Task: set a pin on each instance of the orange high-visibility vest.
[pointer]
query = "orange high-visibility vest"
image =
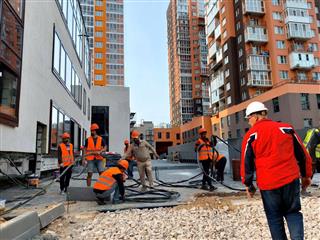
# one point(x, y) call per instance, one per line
point(205, 151)
point(106, 181)
point(67, 156)
point(93, 148)
point(219, 157)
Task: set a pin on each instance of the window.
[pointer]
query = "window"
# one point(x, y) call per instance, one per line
point(98, 66)
point(278, 30)
point(284, 74)
point(99, 23)
point(98, 44)
point(281, 45)
point(99, 55)
point(228, 86)
point(226, 60)
point(224, 34)
point(99, 3)
point(226, 73)
point(307, 123)
point(237, 117)
point(275, 2)
point(229, 100)
point(225, 47)
point(238, 26)
point(238, 133)
point(89, 109)
point(168, 135)
point(54, 128)
point(282, 60)
point(223, 9)
point(316, 76)
point(84, 102)
point(239, 39)
point(318, 100)
point(240, 52)
point(309, 5)
point(98, 77)
point(276, 16)
point(99, 34)
point(241, 67)
point(178, 136)
point(99, 13)
point(243, 81)
point(159, 135)
point(304, 99)
point(56, 63)
point(224, 21)
point(276, 106)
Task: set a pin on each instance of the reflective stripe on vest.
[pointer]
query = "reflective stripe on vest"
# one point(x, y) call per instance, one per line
point(67, 156)
point(205, 151)
point(94, 148)
point(308, 137)
point(106, 181)
point(318, 151)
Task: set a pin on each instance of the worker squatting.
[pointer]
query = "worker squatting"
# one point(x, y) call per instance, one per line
point(271, 150)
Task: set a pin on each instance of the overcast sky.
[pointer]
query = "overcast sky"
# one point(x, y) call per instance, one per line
point(146, 61)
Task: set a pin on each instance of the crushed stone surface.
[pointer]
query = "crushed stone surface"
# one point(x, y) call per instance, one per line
point(211, 217)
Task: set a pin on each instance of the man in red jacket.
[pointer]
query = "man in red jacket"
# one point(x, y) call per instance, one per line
point(279, 157)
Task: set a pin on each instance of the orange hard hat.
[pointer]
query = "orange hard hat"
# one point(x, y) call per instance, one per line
point(135, 134)
point(123, 163)
point(202, 130)
point(126, 141)
point(94, 126)
point(65, 135)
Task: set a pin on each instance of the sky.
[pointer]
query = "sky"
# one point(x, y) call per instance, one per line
point(146, 61)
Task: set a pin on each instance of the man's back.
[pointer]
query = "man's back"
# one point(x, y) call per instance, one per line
point(272, 146)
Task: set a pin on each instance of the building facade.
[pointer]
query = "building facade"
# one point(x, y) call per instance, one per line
point(145, 128)
point(263, 50)
point(188, 85)
point(108, 43)
point(45, 86)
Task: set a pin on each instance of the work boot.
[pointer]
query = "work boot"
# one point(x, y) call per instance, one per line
point(212, 188)
point(100, 201)
point(143, 189)
point(204, 187)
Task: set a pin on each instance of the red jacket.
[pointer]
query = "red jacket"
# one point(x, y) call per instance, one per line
point(277, 154)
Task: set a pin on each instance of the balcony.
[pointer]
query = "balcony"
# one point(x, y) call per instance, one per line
point(301, 60)
point(212, 50)
point(302, 4)
point(299, 31)
point(298, 19)
point(259, 79)
point(254, 7)
point(217, 32)
point(258, 63)
point(219, 55)
point(210, 29)
point(256, 34)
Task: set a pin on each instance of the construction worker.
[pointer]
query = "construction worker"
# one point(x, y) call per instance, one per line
point(280, 159)
point(111, 181)
point(94, 146)
point(312, 143)
point(130, 160)
point(65, 159)
point(220, 162)
point(140, 150)
point(205, 155)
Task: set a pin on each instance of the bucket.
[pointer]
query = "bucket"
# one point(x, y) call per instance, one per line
point(236, 169)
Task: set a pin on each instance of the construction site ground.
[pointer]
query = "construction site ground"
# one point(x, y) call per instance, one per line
point(196, 214)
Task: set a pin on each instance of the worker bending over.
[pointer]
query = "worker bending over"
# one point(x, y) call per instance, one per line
point(65, 160)
point(278, 156)
point(220, 162)
point(205, 155)
point(130, 159)
point(140, 150)
point(111, 181)
point(312, 143)
point(94, 146)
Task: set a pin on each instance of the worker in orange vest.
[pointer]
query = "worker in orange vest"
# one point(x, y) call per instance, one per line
point(220, 162)
point(94, 146)
point(111, 180)
point(205, 155)
point(130, 159)
point(65, 159)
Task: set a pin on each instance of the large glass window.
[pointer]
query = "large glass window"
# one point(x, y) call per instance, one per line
point(10, 59)
point(54, 128)
point(305, 104)
point(84, 101)
point(68, 75)
point(276, 105)
point(63, 64)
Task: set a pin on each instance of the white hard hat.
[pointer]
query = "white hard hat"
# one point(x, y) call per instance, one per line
point(255, 107)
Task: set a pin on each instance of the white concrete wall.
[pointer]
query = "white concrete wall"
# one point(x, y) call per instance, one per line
point(38, 84)
point(117, 99)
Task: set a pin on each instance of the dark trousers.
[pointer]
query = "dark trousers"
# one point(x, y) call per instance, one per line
point(65, 178)
point(220, 166)
point(130, 169)
point(283, 203)
point(206, 164)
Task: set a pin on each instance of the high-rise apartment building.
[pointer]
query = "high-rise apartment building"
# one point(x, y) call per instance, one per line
point(266, 51)
point(87, 7)
point(187, 60)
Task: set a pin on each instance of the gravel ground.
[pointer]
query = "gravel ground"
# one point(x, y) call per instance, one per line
point(205, 218)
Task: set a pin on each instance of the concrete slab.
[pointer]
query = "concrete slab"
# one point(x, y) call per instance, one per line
point(81, 194)
point(21, 227)
point(51, 214)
